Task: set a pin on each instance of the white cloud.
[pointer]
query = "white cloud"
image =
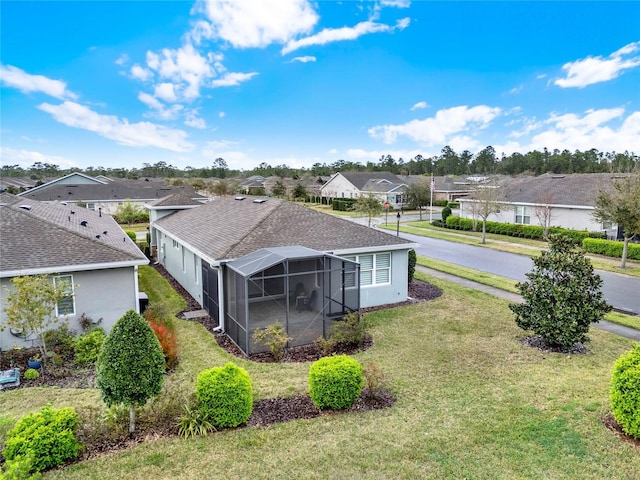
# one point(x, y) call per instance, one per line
point(122, 59)
point(439, 130)
point(165, 91)
point(332, 151)
point(142, 134)
point(305, 59)
point(221, 114)
point(418, 105)
point(194, 121)
point(516, 90)
point(26, 158)
point(605, 129)
point(329, 35)
point(592, 70)
point(247, 23)
point(232, 79)
point(361, 155)
point(396, 3)
point(219, 145)
point(160, 110)
point(141, 73)
point(27, 83)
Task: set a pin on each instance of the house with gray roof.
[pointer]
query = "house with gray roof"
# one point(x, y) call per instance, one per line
point(385, 186)
point(86, 250)
point(560, 200)
point(105, 194)
point(251, 261)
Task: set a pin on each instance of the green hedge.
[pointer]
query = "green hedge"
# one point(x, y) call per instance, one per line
point(519, 230)
point(342, 204)
point(610, 248)
point(625, 391)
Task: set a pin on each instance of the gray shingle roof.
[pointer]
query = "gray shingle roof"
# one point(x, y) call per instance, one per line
point(578, 189)
point(227, 228)
point(114, 191)
point(174, 200)
point(48, 235)
point(360, 179)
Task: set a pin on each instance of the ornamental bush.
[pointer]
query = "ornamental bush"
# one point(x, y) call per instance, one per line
point(625, 391)
point(47, 435)
point(562, 296)
point(88, 346)
point(335, 382)
point(31, 374)
point(225, 395)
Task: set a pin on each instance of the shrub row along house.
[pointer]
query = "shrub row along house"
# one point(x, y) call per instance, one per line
point(82, 249)
point(251, 261)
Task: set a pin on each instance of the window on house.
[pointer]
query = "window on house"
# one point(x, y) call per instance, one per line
point(66, 306)
point(195, 269)
point(91, 206)
point(523, 215)
point(375, 269)
point(175, 244)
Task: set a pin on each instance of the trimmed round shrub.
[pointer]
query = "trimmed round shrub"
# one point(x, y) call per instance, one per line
point(225, 395)
point(446, 212)
point(31, 374)
point(335, 382)
point(88, 346)
point(48, 435)
point(625, 391)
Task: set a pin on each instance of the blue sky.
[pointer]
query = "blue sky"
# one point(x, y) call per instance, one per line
point(122, 83)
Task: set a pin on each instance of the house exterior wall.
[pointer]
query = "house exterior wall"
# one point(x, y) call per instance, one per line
point(183, 264)
point(577, 218)
point(105, 294)
point(339, 187)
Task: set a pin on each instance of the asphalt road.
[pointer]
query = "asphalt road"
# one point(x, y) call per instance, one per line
point(620, 291)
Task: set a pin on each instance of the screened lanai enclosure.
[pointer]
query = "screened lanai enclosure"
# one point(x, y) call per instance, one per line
point(304, 289)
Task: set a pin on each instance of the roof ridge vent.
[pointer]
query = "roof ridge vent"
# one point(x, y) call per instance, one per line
point(557, 176)
point(25, 207)
point(260, 200)
point(240, 197)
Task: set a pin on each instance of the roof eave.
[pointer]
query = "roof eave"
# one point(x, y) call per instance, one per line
point(72, 268)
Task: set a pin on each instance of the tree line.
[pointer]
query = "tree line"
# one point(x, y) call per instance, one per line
point(448, 162)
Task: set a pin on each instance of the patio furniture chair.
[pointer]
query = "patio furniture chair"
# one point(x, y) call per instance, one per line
point(307, 303)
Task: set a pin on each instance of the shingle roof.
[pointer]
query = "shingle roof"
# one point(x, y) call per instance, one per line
point(226, 228)
point(35, 235)
point(174, 200)
point(578, 189)
point(360, 179)
point(114, 191)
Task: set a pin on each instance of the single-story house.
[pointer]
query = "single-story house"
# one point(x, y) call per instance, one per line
point(451, 187)
point(104, 194)
point(559, 200)
point(385, 186)
point(251, 261)
point(85, 249)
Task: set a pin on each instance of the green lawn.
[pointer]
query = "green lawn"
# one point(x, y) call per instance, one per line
point(472, 402)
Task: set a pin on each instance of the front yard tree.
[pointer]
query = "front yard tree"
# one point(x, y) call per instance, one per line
point(621, 206)
point(130, 367)
point(369, 206)
point(279, 189)
point(30, 306)
point(300, 192)
point(486, 201)
point(562, 296)
point(418, 194)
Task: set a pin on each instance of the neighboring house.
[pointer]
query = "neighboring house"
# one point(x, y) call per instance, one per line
point(253, 185)
point(449, 187)
point(87, 250)
point(103, 193)
point(559, 200)
point(385, 186)
point(251, 261)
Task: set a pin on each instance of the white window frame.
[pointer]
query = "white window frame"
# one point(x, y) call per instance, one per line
point(175, 243)
point(68, 279)
point(523, 215)
point(369, 275)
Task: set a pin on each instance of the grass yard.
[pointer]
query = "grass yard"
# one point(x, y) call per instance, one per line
point(472, 402)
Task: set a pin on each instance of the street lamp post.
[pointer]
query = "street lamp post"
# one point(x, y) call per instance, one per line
point(398, 227)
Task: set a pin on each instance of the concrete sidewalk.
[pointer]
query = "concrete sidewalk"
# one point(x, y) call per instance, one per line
point(620, 330)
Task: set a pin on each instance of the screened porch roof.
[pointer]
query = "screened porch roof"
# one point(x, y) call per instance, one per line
point(267, 257)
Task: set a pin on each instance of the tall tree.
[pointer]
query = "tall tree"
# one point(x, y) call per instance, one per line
point(369, 206)
point(621, 205)
point(130, 367)
point(418, 194)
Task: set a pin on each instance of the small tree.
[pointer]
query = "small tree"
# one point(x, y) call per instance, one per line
point(369, 206)
point(418, 194)
point(130, 367)
point(486, 201)
point(300, 192)
point(279, 189)
point(621, 206)
point(544, 212)
point(411, 267)
point(131, 213)
point(562, 297)
point(30, 306)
